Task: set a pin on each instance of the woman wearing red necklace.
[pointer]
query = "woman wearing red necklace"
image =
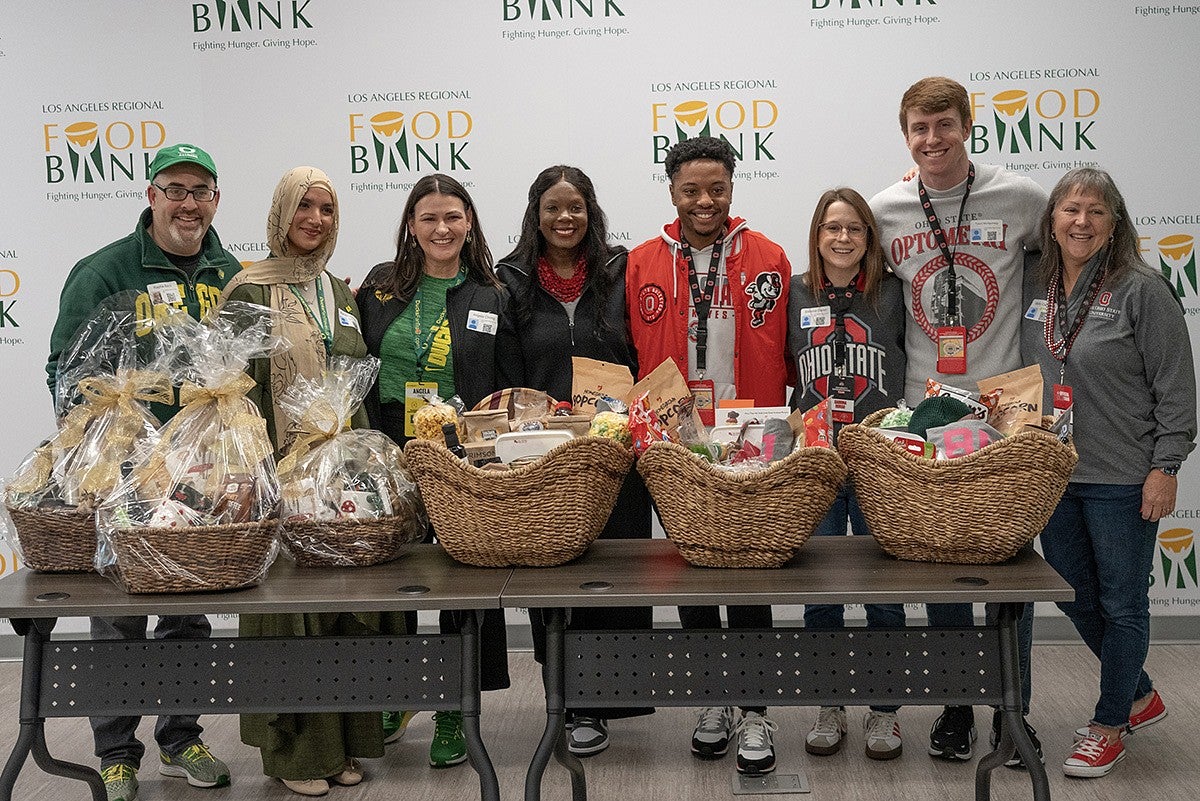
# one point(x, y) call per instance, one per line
point(567, 287)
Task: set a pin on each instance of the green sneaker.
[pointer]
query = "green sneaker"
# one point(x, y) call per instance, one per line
point(395, 725)
point(120, 782)
point(449, 747)
point(195, 764)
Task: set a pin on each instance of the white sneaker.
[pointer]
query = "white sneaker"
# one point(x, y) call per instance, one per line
point(711, 737)
point(827, 733)
point(756, 748)
point(882, 731)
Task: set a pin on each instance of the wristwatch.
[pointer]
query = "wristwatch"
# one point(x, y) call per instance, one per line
point(1170, 469)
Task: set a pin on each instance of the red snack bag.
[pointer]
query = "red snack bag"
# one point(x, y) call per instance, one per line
point(818, 426)
point(644, 425)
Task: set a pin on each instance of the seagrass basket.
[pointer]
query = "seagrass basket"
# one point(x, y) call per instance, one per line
point(350, 542)
point(543, 514)
point(192, 558)
point(719, 518)
point(978, 509)
point(56, 540)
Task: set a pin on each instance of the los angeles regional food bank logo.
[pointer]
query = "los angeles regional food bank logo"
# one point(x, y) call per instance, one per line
point(410, 140)
point(95, 150)
point(747, 123)
point(1176, 568)
point(1058, 115)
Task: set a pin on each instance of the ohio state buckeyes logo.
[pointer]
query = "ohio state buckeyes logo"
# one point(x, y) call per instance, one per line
point(652, 302)
point(978, 294)
point(761, 296)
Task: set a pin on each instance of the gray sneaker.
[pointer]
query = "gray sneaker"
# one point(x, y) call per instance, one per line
point(827, 733)
point(197, 765)
point(120, 782)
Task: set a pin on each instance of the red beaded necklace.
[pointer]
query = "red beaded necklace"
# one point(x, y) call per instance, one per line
point(564, 290)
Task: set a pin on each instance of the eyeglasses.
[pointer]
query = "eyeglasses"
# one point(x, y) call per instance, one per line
point(202, 194)
point(853, 230)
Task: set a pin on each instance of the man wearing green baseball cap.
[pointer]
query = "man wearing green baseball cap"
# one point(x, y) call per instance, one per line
point(173, 259)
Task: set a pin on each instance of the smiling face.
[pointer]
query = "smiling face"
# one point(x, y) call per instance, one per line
point(1082, 225)
point(702, 191)
point(179, 226)
point(937, 142)
point(562, 219)
point(842, 242)
point(440, 224)
point(312, 222)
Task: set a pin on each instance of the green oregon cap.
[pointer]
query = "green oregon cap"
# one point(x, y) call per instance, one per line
point(179, 154)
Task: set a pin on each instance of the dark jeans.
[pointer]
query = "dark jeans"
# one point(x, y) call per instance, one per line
point(832, 616)
point(116, 737)
point(1097, 540)
point(740, 617)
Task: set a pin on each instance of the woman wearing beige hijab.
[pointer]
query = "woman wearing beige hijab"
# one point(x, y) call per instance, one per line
point(319, 316)
point(309, 751)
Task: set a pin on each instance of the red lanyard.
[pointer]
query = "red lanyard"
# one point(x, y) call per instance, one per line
point(1061, 348)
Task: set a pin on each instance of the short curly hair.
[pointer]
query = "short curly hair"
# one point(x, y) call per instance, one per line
point(701, 147)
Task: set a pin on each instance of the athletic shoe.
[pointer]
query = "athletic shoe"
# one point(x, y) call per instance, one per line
point(196, 764)
point(755, 747)
point(449, 746)
point(827, 733)
point(953, 733)
point(1155, 711)
point(711, 737)
point(395, 725)
point(1015, 760)
point(1094, 756)
point(882, 731)
point(120, 781)
point(588, 736)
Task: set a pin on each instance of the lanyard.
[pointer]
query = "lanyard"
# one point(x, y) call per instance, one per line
point(840, 299)
point(322, 321)
point(953, 312)
point(1060, 349)
point(421, 349)
point(702, 301)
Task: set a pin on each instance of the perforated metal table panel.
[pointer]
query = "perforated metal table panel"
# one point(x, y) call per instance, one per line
point(75, 678)
point(780, 667)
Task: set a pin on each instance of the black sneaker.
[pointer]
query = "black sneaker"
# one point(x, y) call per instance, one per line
point(1015, 760)
point(953, 733)
point(588, 736)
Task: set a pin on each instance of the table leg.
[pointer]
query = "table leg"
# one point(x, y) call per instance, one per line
point(1012, 731)
point(489, 785)
point(31, 738)
point(554, 739)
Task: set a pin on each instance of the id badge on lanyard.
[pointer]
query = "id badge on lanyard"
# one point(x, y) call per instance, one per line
point(841, 398)
point(416, 395)
point(952, 349)
point(951, 337)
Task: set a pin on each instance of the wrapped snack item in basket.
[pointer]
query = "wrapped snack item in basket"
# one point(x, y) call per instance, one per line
point(198, 511)
point(104, 386)
point(347, 497)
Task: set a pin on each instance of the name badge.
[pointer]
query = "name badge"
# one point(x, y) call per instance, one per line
point(348, 320)
point(164, 292)
point(952, 350)
point(841, 398)
point(1037, 310)
point(815, 317)
point(705, 393)
point(987, 232)
point(483, 322)
point(416, 395)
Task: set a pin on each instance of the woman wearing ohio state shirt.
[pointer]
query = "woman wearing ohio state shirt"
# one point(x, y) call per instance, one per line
point(846, 334)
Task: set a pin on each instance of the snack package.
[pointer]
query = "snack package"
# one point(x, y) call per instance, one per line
point(346, 496)
point(429, 419)
point(104, 386)
point(644, 425)
point(981, 404)
point(612, 425)
point(1020, 399)
point(592, 379)
point(198, 510)
point(667, 394)
point(818, 426)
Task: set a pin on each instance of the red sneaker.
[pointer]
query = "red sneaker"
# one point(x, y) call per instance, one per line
point(1155, 711)
point(1094, 756)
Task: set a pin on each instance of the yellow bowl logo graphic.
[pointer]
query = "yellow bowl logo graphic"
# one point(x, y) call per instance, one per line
point(388, 123)
point(1176, 246)
point(1175, 540)
point(1011, 102)
point(691, 112)
point(82, 134)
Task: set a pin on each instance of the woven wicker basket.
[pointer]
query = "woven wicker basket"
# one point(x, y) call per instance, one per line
point(56, 540)
point(544, 514)
point(349, 542)
point(718, 518)
point(193, 558)
point(978, 509)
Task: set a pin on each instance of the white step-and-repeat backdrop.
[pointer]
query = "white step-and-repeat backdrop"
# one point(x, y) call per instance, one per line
point(379, 92)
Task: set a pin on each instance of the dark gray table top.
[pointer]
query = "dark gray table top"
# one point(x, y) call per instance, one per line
point(288, 588)
point(833, 570)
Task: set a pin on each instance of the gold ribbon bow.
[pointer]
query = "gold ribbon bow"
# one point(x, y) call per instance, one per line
point(320, 423)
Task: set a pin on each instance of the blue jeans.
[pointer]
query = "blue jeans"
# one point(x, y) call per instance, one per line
point(832, 616)
point(1097, 540)
point(116, 737)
